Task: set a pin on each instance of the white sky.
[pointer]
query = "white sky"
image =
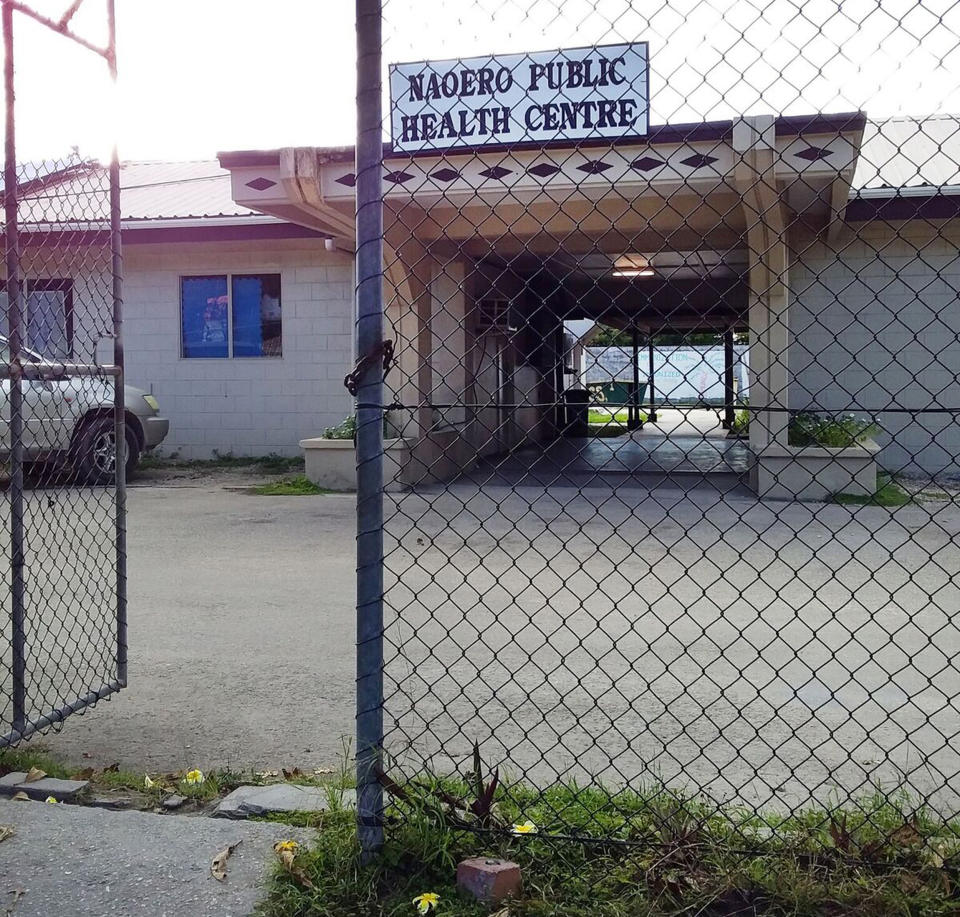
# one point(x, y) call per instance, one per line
point(199, 76)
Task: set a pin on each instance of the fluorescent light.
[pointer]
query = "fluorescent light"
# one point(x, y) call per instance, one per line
point(632, 265)
point(635, 272)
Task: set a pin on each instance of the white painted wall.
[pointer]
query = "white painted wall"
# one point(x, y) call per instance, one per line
point(246, 406)
point(875, 321)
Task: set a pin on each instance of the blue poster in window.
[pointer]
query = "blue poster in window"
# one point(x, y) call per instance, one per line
point(203, 305)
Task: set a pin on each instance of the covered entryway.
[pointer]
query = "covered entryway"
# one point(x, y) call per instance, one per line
point(488, 253)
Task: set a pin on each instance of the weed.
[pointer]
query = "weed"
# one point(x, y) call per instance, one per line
point(298, 485)
point(888, 493)
point(652, 852)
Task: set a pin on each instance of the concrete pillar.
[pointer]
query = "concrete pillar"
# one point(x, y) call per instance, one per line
point(754, 143)
point(448, 342)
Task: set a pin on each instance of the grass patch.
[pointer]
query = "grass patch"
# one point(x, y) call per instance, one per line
point(603, 423)
point(889, 494)
point(875, 858)
point(268, 464)
point(297, 486)
point(22, 759)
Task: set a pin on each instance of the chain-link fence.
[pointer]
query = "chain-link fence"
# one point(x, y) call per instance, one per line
point(62, 406)
point(670, 440)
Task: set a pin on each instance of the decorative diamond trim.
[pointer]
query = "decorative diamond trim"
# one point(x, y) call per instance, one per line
point(698, 161)
point(445, 174)
point(495, 172)
point(646, 163)
point(813, 153)
point(397, 178)
point(595, 167)
point(349, 180)
point(543, 169)
point(260, 184)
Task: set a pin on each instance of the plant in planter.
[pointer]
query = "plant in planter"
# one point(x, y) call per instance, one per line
point(834, 431)
point(346, 429)
point(741, 423)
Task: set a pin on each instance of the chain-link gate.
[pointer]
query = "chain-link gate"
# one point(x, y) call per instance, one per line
point(669, 442)
point(64, 643)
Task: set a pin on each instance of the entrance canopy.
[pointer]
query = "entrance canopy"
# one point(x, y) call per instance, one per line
point(517, 200)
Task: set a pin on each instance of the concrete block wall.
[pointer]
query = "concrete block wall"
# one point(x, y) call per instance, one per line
point(875, 323)
point(252, 405)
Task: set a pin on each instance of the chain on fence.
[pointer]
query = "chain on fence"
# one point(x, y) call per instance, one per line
point(63, 399)
point(671, 454)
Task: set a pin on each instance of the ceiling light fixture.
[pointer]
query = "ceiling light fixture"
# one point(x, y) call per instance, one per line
point(632, 266)
point(634, 272)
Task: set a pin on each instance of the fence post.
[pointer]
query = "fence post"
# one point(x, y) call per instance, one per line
point(119, 416)
point(15, 328)
point(369, 260)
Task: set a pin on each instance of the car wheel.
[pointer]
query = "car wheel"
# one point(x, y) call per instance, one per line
point(97, 452)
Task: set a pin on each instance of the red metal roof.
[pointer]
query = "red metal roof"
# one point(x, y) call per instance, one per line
point(149, 191)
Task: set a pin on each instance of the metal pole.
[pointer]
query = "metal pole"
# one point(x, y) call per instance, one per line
point(653, 408)
point(728, 393)
point(15, 326)
point(633, 418)
point(119, 419)
point(369, 432)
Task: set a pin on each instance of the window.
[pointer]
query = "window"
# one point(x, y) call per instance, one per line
point(49, 317)
point(234, 315)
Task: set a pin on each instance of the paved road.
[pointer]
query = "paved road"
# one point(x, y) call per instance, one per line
point(241, 632)
point(686, 648)
point(80, 862)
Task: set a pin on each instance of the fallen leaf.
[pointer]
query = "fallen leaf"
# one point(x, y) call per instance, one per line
point(34, 774)
point(266, 775)
point(6, 832)
point(907, 834)
point(290, 774)
point(85, 774)
point(321, 771)
point(112, 768)
point(218, 866)
point(17, 893)
point(20, 795)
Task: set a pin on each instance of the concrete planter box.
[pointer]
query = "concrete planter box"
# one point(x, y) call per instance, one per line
point(332, 463)
point(814, 472)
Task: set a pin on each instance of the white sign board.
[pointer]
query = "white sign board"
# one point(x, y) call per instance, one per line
point(575, 94)
point(681, 374)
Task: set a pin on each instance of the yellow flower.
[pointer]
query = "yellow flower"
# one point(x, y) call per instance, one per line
point(194, 777)
point(148, 784)
point(281, 846)
point(52, 799)
point(427, 902)
point(528, 827)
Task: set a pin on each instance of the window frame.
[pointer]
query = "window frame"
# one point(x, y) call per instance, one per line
point(228, 276)
point(45, 285)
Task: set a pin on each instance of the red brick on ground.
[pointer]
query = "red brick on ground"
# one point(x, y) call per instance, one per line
point(488, 879)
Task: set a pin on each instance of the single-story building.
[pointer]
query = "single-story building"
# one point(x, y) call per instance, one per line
point(239, 323)
point(830, 240)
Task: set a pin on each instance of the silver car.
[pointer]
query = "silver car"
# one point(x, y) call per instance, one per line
point(69, 421)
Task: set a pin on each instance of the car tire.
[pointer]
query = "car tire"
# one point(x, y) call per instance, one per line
point(96, 453)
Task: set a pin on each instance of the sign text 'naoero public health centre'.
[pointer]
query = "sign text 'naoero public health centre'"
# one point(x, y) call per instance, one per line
point(539, 97)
